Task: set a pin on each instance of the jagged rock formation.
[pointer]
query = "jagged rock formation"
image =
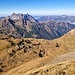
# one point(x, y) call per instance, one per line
point(18, 16)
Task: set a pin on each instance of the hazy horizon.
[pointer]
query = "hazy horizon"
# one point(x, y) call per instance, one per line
point(37, 7)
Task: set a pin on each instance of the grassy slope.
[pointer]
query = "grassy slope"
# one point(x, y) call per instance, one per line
point(63, 68)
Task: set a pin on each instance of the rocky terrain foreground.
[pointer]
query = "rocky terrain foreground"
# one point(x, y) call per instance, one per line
point(30, 56)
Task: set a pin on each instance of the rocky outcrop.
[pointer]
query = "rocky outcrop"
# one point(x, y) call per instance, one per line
point(41, 53)
point(19, 51)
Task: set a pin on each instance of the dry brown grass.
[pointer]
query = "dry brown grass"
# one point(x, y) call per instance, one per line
point(63, 68)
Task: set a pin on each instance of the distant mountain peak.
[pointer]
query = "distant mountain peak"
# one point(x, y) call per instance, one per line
point(13, 13)
point(58, 18)
point(27, 14)
point(18, 16)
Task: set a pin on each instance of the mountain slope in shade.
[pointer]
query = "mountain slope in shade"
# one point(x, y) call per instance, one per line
point(18, 55)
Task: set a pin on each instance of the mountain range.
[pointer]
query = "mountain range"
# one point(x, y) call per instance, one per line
point(24, 25)
point(58, 18)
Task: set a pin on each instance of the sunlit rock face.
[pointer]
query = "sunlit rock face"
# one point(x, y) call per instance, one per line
point(15, 16)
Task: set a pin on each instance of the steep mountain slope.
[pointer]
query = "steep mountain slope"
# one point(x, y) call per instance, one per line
point(16, 25)
point(24, 25)
point(7, 26)
point(58, 18)
point(18, 56)
point(60, 27)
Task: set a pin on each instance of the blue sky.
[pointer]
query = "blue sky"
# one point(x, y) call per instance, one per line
point(38, 7)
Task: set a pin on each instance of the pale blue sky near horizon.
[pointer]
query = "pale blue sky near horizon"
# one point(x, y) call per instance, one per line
point(38, 7)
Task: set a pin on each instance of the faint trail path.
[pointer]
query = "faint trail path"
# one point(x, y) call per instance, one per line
point(64, 57)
